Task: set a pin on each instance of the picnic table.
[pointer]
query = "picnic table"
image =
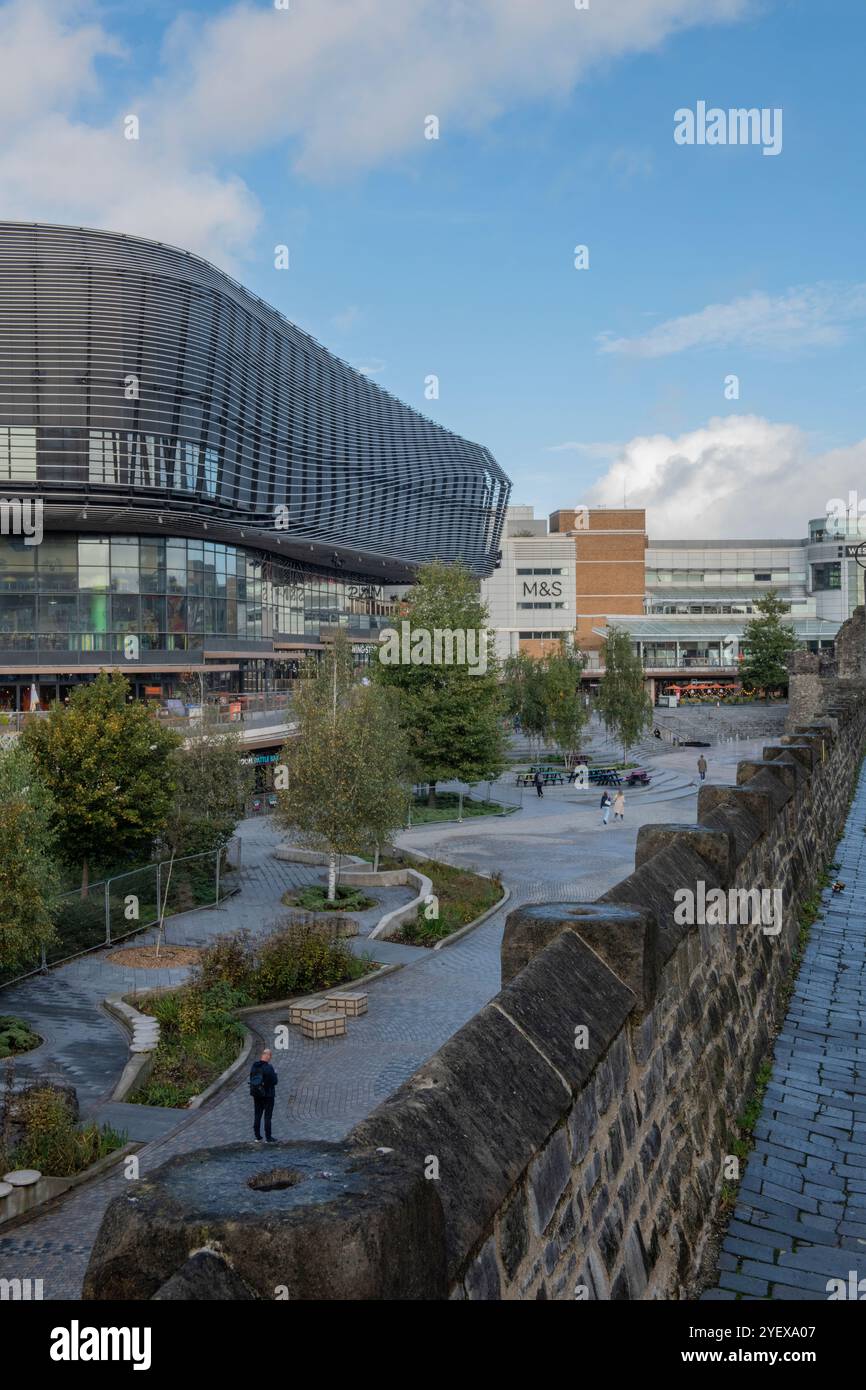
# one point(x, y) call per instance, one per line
point(550, 777)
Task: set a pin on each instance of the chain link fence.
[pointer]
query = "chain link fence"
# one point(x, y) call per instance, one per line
point(116, 908)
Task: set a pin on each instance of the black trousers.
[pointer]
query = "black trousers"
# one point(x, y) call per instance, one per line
point(264, 1106)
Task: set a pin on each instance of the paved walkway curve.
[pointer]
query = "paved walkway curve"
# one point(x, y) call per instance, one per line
point(558, 851)
point(800, 1218)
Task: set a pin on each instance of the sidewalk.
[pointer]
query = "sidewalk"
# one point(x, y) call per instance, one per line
point(800, 1217)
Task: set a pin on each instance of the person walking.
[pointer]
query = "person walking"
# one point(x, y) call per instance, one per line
point(539, 782)
point(606, 804)
point(702, 766)
point(619, 806)
point(263, 1085)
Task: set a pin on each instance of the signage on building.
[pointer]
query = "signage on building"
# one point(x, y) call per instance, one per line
point(541, 588)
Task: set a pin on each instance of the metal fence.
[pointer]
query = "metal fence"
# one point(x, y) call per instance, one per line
point(118, 907)
point(497, 791)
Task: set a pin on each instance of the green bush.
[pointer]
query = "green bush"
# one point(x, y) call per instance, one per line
point(348, 899)
point(228, 961)
point(298, 959)
point(52, 1141)
point(16, 1036)
point(199, 1040)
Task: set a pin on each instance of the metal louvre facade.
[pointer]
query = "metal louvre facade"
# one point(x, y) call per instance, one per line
point(143, 391)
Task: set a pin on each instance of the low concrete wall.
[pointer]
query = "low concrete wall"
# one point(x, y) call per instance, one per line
point(392, 921)
point(143, 1032)
point(22, 1200)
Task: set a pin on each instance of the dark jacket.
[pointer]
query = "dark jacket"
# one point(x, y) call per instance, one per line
point(270, 1077)
point(605, 800)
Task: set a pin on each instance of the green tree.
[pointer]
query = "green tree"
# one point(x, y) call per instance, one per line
point(622, 699)
point(544, 692)
point(107, 764)
point(346, 767)
point(524, 694)
point(449, 713)
point(212, 785)
point(566, 709)
point(767, 643)
point(29, 880)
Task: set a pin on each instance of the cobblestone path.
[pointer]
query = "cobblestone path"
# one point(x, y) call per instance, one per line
point(800, 1217)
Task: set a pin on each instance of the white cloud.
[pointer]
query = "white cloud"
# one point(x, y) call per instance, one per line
point(328, 88)
point(601, 449)
point(740, 475)
point(46, 59)
point(346, 319)
point(808, 316)
point(370, 366)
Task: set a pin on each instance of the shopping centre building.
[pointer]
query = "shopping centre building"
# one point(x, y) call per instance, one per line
point(684, 602)
point(217, 492)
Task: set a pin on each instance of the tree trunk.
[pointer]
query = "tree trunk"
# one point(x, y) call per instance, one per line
point(431, 793)
point(332, 878)
point(376, 859)
point(85, 878)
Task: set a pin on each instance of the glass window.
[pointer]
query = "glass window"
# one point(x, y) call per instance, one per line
point(124, 613)
point(17, 613)
point(17, 453)
point(152, 616)
point(58, 614)
point(93, 576)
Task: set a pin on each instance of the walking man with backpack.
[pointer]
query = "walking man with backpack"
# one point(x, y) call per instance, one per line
point(263, 1085)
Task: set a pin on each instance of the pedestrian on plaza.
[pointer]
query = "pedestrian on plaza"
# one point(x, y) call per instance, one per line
point(263, 1085)
point(606, 804)
point(619, 806)
point(702, 766)
point(539, 782)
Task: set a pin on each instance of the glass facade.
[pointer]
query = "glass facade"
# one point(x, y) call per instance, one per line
point(88, 593)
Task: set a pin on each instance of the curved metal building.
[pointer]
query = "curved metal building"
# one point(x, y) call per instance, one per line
point(187, 442)
point(136, 376)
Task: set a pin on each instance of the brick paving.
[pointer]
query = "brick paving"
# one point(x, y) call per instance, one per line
point(550, 851)
point(800, 1217)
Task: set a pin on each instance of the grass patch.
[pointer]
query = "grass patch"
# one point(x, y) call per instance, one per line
point(314, 898)
point(462, 896)
point(49, 1138)
point(447, 807)
point(16, 1036)
point(199, 1039)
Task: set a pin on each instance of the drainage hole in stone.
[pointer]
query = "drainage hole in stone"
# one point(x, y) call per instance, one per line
point(275, 1181)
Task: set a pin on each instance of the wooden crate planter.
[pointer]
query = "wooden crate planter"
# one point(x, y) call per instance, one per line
point(352, 1003)
point(328, 1024)
point(302, 1007)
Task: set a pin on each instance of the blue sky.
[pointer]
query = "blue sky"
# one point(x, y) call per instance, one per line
point(455, 256)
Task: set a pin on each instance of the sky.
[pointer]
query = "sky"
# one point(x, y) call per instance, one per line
point(305, 126)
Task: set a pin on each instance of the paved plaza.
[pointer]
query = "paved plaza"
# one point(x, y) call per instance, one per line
point(554, 848)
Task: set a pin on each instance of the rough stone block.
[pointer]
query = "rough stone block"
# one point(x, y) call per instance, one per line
point(548, 1178)
point(715, 845)
point(484, 1105)
point(324, 1221)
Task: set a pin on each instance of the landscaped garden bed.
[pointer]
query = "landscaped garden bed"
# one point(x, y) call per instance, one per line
point(200, 1035)
point(16, 1036)
point(314, 898)
point(462, 896)
point(39, 1130)
point(447, 807)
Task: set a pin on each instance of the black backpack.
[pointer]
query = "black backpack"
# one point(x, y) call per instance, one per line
point(257, 1081)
